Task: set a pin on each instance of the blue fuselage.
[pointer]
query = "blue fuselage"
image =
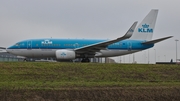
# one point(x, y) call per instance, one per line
point(48, 47)
point(77, 43)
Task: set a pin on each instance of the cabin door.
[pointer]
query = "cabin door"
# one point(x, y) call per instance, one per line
point(29, 44)
point(129, 44)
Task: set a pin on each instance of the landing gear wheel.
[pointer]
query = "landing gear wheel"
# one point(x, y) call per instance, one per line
point(85, 60)
point(25, 60)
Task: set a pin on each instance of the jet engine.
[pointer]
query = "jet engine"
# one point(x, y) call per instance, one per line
point(65, 54)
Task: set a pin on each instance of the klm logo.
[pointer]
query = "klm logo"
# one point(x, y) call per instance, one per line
point(46, 42)
point(145, 29)
point(63, 54)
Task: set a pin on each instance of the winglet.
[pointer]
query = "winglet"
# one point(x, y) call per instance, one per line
point(129, 33)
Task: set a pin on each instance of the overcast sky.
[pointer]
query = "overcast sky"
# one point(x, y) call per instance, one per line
point(99, 19)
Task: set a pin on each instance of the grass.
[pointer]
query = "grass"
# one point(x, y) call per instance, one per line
point(38, 75)
point(47, 81)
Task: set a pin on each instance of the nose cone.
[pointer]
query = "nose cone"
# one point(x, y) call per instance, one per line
point(9, 49)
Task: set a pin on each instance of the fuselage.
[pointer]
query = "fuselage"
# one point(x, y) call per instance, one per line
point(38, 48)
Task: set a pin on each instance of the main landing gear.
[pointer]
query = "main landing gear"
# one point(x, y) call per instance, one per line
point(85, 60)
point(25, 60)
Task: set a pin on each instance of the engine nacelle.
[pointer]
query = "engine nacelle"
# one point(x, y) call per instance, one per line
point(65, 54)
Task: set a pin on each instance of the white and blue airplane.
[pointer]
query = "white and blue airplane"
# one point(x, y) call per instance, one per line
point(136, 39)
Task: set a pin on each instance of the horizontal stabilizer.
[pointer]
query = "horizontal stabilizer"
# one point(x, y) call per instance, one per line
point(2, 50)
point(157, 40)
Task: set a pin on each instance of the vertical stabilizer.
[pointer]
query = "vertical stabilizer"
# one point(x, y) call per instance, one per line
point(145, 29)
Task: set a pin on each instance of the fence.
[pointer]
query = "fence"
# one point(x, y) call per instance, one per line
point(4, 59)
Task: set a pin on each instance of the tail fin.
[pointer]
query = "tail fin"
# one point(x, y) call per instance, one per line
point(145, 29)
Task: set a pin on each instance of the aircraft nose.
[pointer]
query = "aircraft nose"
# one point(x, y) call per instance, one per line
point(9, 49)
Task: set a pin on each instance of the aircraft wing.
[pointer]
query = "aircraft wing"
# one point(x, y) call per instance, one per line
point(102, 45)
point(2, 49)
point(157, 40)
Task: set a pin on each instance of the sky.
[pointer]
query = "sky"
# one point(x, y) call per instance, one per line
point(91, 19)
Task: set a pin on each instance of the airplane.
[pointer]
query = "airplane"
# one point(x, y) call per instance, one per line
point(135, 40)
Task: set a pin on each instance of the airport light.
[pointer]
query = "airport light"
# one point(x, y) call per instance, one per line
point(145, 57)
point(176, 49)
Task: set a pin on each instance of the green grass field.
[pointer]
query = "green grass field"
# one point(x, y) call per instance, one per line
point(65, 78)
point(32, 75)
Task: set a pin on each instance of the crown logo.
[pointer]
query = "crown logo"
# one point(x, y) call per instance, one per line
point(145, 26)
point(46, 42)
point(63, 54)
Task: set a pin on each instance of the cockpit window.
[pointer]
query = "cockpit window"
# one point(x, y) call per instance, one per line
point(17, 44)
